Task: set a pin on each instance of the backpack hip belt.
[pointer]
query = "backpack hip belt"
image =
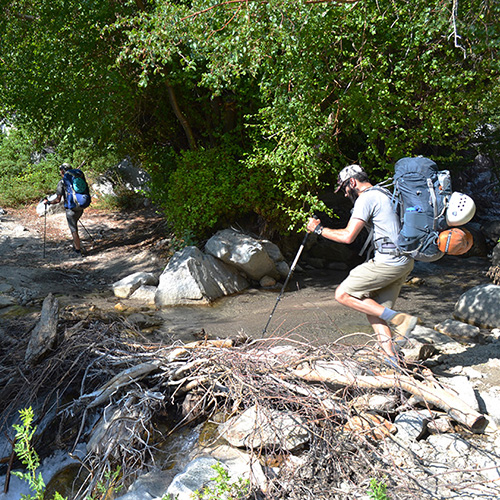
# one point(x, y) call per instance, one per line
point(385, 245)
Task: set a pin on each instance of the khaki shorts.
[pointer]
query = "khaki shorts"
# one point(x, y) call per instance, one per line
point(380, 282)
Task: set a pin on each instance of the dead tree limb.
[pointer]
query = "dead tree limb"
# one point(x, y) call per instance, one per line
point(428, 391)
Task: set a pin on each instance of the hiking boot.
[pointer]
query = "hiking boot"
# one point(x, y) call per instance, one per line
point(77, 253)
point(403, 324)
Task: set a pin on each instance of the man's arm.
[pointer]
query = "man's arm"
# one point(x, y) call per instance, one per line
point(346, 235)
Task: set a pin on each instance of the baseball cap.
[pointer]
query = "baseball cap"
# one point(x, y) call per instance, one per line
point(345, 174)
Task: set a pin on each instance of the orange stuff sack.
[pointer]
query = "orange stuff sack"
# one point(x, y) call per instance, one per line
point(455, 241)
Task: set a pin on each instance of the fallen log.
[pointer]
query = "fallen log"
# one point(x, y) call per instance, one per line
point(429, 391)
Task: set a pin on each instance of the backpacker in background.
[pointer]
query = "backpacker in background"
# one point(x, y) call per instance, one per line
point(427, 206)
point(77, 189)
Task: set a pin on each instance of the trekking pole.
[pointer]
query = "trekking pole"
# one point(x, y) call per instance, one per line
point(93, 241)
point(292, 267)
point(44, 227)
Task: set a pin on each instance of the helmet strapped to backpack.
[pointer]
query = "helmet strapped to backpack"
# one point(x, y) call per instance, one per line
point(461, 208)
point(455, 241)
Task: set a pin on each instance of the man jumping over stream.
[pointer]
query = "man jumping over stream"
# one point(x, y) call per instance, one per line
point(372, 287)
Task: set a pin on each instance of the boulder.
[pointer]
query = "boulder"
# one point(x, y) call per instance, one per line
point(195, 477)
point(127, 286)
point(283, 269)
point(145, 294)
point(6, 301)
point(42, 209)
point(495, 256)
point(243, 252)
point(479, 306)
point(412, 425)
point(491, 229)
point(458, 330)
point(192, 277)
point(124, 175)
point(259, 427)
point(463, 388)
point(272, 250)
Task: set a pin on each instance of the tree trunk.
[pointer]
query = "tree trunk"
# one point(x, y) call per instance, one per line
point(181, 117)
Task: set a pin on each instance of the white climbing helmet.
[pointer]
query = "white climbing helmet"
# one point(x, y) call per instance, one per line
point(461, 209)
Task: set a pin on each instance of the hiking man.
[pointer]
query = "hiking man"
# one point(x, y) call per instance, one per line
point(372, 287)
point(72, 214)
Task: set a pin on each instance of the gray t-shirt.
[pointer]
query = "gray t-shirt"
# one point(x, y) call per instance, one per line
point(375, 209)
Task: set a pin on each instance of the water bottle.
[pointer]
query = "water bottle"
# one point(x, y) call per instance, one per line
point(413, 219)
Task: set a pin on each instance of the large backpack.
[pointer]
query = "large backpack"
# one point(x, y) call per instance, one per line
point(422, 193)
point(420, 198)
point(77, 189)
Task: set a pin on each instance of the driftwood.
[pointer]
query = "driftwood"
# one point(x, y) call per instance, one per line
point(104, 393)
point(428, 391)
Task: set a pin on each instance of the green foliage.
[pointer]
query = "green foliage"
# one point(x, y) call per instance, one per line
point(109, 485)
point(297, 89)
point(208, 189)
point(21, 180)
point(28, 456)
point(223, 488)
point(377, 490)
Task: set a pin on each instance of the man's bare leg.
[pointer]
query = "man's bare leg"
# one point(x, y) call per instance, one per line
point(76, 240)
point(383, 332)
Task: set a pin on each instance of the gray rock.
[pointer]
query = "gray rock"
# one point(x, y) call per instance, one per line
point(44, 335)
point(479, 306)
point(412, 425)
point(427, 335)
point(6, 301)
point(127, 286)
point(267, 282)
point(283, 269)
point(458, 330)
point(463, 388)
point(495, 255)
point(145, 294)
point(154, 484)
point(6, 288)
point(44, 210)
point(489, 402)
point(380, 403)
point(491, 229)
point(450, 444)
point(259, 427)
point(197, 474)
point(272, 250)
point(192, 277)
point(440, 425)
point(239, 464)
point(125, 175)
point(243, 252)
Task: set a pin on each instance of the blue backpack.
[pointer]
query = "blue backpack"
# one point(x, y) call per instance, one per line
point(420, 197)
point(77, 189)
